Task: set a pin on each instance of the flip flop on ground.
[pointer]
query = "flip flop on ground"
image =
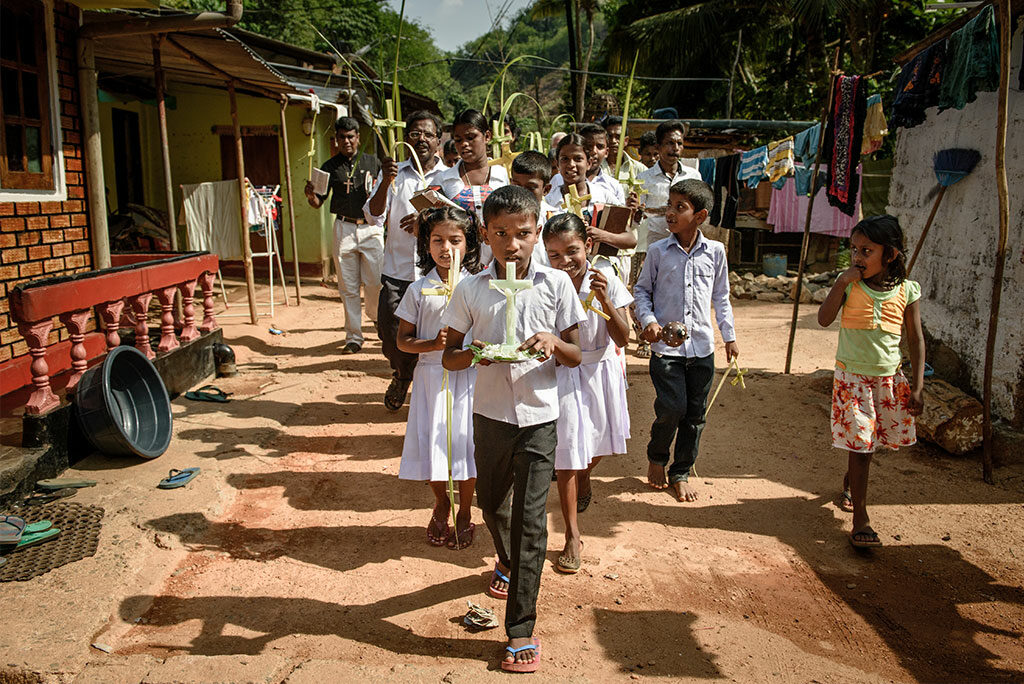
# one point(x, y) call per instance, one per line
point(530, 666)
point(845, 502)
point(178, 478)
point(64, 482)
point(209, 393)
point(11, 529)
point(570, 565)
point(864, 538)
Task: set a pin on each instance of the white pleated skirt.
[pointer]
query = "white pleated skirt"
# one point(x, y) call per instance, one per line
point(425, 452)
point(575, 435)
point(603, 386)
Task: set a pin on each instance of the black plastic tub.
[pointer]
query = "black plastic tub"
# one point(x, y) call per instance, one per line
point(123, 407)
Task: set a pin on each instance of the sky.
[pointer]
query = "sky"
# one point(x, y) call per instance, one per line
point(454, 22)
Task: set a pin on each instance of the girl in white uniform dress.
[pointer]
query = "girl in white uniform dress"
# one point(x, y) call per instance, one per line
point(425, 452)
point(594, 419)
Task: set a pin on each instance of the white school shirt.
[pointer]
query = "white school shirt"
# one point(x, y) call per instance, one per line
point(657, 184)
point(524, 393)
point(598, 195)
point(424, 311)
point(540, 255)
point(610, 189)
point(399, 260)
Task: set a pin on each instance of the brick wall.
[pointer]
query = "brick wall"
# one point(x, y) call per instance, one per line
point(45, 239)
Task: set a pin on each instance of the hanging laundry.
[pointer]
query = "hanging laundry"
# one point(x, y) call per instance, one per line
point(972, 62)
point(843, 136)
point(875, 127)
point(874, 186)
point(918, 87)
point(727, 191)
point(802, 175)
point(752, 166)
point(805, 144)
point(212, 217)
point(707, 170)
point(788, 212)
point(692, 162)
point(780, 159)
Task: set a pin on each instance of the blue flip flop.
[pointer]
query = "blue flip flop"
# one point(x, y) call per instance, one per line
point(178, 478)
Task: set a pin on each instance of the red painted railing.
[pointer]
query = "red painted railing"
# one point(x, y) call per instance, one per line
point(131, 282)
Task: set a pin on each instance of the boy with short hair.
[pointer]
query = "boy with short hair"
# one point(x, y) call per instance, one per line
point(531, 170)
point(515, 405)
point(595, 142)
point(648, 149)
point(613, 129)
point(674, 286)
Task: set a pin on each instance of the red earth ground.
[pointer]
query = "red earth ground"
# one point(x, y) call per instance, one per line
point(299, 556)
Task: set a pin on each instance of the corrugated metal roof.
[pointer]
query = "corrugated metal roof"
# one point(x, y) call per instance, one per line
point(187, 57)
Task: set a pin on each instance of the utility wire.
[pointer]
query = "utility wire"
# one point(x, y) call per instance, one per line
point(520, 65)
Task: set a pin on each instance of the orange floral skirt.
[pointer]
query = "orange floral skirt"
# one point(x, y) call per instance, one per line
point(869, 413)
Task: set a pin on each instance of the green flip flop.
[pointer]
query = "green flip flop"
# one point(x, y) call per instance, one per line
point(64, 482)
point(37, 537)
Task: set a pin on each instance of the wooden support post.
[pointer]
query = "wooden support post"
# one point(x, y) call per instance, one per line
point(810, 207)
point(291, 202)
point(250, 283)
point(165, 149)
point(1004, 21)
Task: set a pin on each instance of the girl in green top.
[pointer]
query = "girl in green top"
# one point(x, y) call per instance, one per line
point(873, 405)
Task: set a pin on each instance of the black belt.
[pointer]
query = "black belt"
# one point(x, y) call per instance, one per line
point(358, 221)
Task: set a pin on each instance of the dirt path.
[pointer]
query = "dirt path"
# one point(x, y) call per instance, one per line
point(299, 556)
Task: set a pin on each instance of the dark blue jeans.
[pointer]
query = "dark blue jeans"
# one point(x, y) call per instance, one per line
point(681, 386)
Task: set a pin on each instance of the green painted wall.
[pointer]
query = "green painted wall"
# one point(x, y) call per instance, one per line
point(195, 155)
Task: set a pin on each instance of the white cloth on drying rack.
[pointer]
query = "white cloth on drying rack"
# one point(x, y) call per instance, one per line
point(211, 218)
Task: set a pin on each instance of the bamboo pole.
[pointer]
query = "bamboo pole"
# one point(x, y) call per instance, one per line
point(810, 207)
point(291, 202)
point(1004, 21)
point(165, 147)
point(243, 229)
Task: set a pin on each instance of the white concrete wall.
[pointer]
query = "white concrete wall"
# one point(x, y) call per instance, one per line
point(957, 263)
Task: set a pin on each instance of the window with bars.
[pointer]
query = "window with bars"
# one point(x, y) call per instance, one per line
point(26, 156)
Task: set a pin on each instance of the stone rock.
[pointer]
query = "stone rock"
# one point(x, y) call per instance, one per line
point(737, 291)
point(770, 296)
point(734, 278)
point(748, 276)
point(747, 294)
point(761, 279)
point(819, 296)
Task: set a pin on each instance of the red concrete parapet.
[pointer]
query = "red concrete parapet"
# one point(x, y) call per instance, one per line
point(134, 279)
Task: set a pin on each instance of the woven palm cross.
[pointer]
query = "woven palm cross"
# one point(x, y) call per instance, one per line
point(510, 287)
point(447, 289)
point(506, 158)
point(499, 141)
point(390, 124)
point(574, 201)
point(631, 182)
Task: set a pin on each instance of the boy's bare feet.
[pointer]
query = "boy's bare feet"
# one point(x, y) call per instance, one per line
point(656, 476)
point(526, 656)
point(683, 491)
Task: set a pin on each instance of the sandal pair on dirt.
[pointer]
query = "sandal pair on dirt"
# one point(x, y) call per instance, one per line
point(16, 532)
point(448, 537)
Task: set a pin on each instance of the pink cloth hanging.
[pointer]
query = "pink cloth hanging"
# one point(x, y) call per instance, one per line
point(787, 212)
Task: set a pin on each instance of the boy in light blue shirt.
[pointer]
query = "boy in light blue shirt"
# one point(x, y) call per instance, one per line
point(683, 277)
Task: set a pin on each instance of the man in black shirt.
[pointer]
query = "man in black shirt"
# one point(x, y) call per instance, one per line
point(358, 246)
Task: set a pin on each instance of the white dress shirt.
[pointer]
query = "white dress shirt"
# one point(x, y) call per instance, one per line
point(524, 393)
point(399, 260)
point(657, 184)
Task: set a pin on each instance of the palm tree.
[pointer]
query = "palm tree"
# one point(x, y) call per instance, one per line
point(580, 9)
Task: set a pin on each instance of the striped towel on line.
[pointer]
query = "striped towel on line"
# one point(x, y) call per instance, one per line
point(780, 159)
point(752, 166)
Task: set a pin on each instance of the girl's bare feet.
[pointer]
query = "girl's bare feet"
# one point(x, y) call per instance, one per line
point(656, 476)
point(683, 491)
